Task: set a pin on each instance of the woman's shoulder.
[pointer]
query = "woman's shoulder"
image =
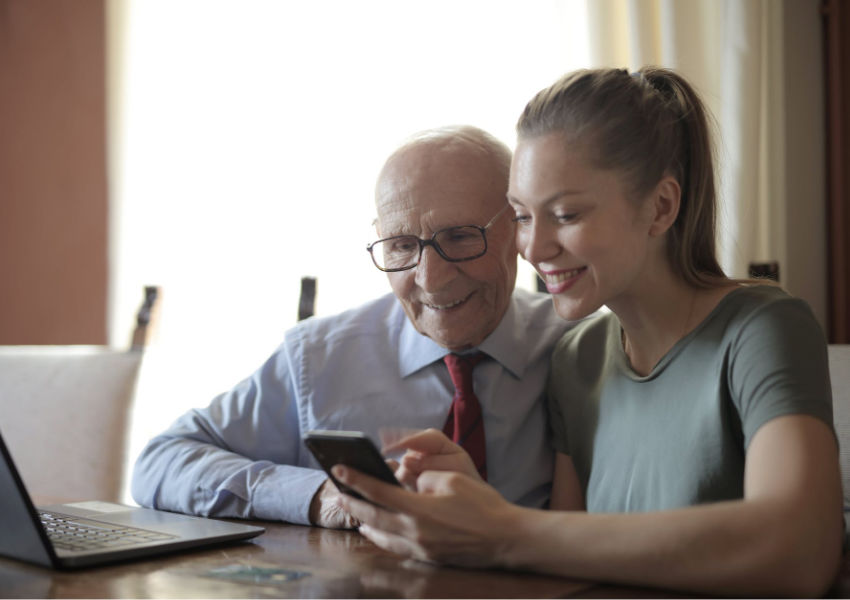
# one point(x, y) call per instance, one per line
point(760, 305)
point(589, 330)
point(583, 348)
point(756, 294)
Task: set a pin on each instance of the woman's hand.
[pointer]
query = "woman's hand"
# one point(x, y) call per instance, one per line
point(453, 519)
point(430, 450)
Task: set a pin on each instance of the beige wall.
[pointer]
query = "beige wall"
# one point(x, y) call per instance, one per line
point(53, 200)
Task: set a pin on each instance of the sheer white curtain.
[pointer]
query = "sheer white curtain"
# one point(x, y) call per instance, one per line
point(245, 137)
point(757, 65)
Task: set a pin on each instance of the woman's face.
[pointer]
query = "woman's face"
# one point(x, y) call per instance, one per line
point(588, 241)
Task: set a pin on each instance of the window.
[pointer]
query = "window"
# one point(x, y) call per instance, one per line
point(241, 129)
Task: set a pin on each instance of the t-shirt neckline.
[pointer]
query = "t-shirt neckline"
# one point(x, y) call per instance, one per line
point(623, 359)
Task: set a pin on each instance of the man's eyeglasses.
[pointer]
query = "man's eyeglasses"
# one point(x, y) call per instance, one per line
point(454, 244)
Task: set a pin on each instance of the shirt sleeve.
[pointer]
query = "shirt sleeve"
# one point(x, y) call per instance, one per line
point(778, 366)
point(235, 458)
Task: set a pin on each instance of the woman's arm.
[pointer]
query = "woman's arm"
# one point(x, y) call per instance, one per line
point(783, 538)
point(566, 489)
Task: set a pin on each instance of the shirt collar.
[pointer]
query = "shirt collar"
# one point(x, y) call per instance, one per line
point(504, 344)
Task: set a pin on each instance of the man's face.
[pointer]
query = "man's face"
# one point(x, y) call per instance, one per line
point(428, 188)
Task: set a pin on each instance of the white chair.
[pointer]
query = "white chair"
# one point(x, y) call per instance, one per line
point(64, 414)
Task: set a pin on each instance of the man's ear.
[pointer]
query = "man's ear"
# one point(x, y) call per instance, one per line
point(666, 200)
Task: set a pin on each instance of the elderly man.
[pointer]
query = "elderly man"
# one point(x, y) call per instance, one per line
point(447, 245)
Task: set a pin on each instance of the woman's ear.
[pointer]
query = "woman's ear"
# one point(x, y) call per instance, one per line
point(666, 199)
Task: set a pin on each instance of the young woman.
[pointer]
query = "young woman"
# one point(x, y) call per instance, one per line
point(692, 423)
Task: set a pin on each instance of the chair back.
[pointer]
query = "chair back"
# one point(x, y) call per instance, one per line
point(64, 413)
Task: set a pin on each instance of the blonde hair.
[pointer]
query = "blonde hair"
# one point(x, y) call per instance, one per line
point(646, 125)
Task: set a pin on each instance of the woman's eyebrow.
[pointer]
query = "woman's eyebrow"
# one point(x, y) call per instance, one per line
point(556, 196)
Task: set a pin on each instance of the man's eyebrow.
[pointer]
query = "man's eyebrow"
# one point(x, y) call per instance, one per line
point(395, 232)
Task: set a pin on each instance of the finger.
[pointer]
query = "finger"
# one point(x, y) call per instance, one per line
point(393, 543)
point(390, 435)
point(414, 463)
point(350, 521)
point(339, 518)
point(447, 462)
point(392, 464)
point(389, 496)
point(407, 477)
point(371, 515)
point(411, 458)
point(429, 441)
point(444, 482)
point(332, 516)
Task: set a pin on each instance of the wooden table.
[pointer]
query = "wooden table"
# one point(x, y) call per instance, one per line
point(288, 561)
point(291, 561)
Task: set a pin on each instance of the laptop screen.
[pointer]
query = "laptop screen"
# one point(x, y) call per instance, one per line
point(22, 537)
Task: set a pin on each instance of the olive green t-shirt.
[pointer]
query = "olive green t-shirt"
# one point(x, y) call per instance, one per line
point(677, 437)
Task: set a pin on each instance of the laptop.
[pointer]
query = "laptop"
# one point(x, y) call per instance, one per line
point(83, 534)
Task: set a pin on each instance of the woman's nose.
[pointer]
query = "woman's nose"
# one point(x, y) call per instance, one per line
point(536, 243)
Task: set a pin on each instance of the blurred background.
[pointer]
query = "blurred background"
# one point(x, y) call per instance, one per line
point(223, 149)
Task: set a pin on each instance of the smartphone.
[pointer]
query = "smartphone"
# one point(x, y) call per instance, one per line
point(350, 448)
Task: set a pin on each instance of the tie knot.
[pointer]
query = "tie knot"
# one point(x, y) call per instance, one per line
point(460, 369)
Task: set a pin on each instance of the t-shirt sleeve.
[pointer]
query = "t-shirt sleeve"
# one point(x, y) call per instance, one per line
point(577, 369)
point(778, 366)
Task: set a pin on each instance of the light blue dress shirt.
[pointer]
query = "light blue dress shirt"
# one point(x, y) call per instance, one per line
point(365, 369)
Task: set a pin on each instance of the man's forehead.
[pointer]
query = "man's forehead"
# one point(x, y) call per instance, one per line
point(428, 187)
point(422, 219)
point(421, 210)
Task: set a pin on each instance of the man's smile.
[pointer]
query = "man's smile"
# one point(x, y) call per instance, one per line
point(445, 305)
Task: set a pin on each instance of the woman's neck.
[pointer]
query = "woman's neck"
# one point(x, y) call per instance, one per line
point(659, 313)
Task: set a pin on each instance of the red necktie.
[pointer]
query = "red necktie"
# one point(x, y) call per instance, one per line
point(465, 423)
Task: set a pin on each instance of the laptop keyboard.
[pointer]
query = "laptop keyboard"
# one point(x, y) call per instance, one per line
point(74, 533)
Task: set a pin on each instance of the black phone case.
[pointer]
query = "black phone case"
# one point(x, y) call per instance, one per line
point(357, 452)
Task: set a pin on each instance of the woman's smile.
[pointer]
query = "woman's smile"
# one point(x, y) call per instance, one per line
point(559, 281)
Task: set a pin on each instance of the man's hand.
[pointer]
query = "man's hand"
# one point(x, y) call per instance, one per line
point(325, 510)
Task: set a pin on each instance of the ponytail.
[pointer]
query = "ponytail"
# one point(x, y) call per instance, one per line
point(647, 125)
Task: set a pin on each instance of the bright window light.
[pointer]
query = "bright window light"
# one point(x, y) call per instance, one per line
point(248, 135)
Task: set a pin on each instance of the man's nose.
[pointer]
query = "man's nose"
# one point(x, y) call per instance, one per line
point(433, 272)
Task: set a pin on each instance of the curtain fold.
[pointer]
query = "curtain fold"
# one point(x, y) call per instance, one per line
point(736, 54)
point(838, 101)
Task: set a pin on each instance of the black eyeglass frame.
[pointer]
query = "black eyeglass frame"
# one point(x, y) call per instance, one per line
point(433, 243)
